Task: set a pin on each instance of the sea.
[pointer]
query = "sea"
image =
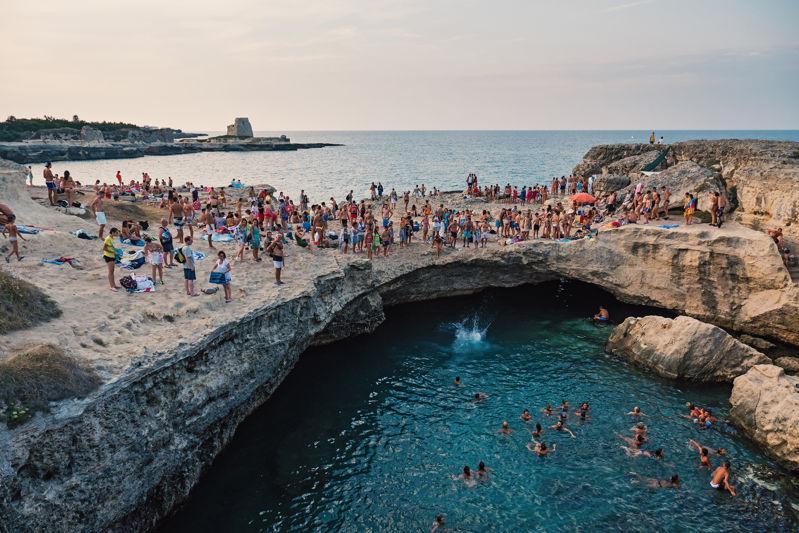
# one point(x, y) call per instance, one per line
point(370, 434)
point(398, 159)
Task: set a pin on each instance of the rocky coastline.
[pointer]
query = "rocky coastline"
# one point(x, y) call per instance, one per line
point(39, 152)
point(123, 457)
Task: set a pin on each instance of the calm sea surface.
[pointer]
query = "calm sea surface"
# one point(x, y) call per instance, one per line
point(398, 159)
point(366, 434)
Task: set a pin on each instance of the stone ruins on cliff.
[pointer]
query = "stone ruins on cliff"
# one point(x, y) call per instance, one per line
point(241, 127)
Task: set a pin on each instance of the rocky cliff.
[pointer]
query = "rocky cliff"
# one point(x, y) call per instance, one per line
point(765, 405)
point(761, 178)
point(683, 348)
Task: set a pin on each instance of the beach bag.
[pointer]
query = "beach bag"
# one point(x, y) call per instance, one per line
point(180, 257)
point(218, 278)
point(128, 282)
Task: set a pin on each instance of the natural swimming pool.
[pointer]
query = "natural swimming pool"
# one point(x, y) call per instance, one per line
point(366, 434)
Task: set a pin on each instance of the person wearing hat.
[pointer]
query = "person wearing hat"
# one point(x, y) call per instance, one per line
point(49, 180)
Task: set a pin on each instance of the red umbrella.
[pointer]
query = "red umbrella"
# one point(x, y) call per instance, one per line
point(583, 198)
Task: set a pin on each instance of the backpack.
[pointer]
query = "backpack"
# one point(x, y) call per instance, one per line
point(180, 257)
point(128, 282)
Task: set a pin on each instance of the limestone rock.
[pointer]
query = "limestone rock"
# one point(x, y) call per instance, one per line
point(608, 183)
point(89, 134)
point(240, 128)
point(765, 405)
point(597, 159)
point(681, 178)
point(789, 364)
point(756, 342)
point(633, 163)
point(683, 348)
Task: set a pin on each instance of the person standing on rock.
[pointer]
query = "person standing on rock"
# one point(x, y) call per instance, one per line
point(110, 257)
point(30, 176)
point(714, 209)
point(99, 214)
point(721, 203)
point(652, 137)
point(275, 250)
point(49, 181)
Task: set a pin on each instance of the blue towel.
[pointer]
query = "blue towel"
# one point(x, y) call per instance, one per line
point(199, 256)
point(52, 262)
point(669, 226)
point(27, 229)
point(221, 237)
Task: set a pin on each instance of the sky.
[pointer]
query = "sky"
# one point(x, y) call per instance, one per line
point(405, 64)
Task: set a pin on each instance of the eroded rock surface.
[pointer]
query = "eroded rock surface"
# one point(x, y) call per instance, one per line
point(683, 348)
point(765, 405)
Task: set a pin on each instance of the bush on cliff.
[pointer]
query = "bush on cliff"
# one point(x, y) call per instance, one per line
point(22, 305)
point(19, 129)
point(37, 375)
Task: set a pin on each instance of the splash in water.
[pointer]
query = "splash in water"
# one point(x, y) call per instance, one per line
point(470, 334)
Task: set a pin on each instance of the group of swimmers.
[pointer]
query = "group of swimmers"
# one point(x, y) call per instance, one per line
point(634, 445)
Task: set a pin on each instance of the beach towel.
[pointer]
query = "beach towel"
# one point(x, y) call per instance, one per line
point(199, 256)
point(27, 229)
point(669, 226)
point(71, 261)
point(222, 237)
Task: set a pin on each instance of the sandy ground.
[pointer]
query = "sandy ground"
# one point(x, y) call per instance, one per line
point(113, 330)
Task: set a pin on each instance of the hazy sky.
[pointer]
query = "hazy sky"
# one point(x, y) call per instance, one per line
point(405, 64)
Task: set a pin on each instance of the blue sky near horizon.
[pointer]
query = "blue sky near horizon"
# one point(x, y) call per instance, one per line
point(406, 64)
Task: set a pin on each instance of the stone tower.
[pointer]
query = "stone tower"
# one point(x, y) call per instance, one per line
point(240, 128)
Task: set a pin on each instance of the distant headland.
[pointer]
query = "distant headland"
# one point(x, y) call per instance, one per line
point(36, 140)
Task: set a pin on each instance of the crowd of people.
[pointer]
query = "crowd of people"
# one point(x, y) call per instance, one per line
point(259, 222)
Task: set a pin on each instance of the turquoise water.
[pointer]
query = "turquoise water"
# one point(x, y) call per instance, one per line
point(366, 434)
point(399, 159)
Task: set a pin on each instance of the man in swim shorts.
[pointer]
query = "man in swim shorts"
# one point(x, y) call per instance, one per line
point(275, 249)
point(721, 478)
point(49, 180)
point(99, 214)
point(176, 216)
point(602, 315)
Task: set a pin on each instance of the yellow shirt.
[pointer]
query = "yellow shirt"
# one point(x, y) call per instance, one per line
point(109, 250)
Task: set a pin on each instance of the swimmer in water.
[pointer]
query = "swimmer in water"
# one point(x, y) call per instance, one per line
point(479, 397)
point(560, 427)
point(639, 429)
point(439, 523)
point(582, 412)
point(653, 483)
point(466, 476)
point(538, 431)
point(637, 441)
point(482, 471)
point(505, 429)
point(526, 416)
point(457, 381)
point(540, 449)
point(564, 406)
point(547, 410)
point(602, 315)
point(721, 452)
point(721, 478)
point(636, 412)
point(634, 452)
